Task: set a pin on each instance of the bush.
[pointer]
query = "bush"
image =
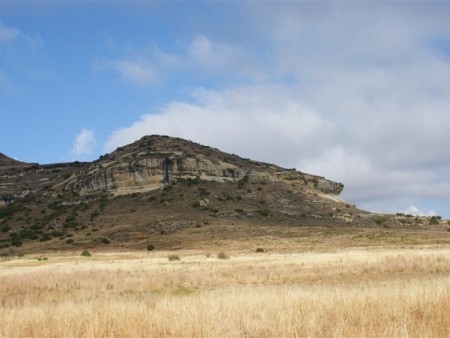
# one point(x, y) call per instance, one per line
point(16, 241)
point(45, 238)
point(243, 181)
point(222, 255)
point(263, 212)
point(150, 247)
point(86, 253)
point(259, 250)
point(379, 219)
point(105, 240)
point(5, 228)
point(434, 220)
point(69, 241)
point(203, 192)
point(173, 258)
point(225, 197)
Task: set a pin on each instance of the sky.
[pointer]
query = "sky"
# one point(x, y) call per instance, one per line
point(356, 91)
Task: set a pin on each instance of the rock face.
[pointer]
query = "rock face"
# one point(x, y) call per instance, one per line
point(155, 161)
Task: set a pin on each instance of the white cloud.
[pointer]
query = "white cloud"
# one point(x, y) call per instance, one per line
point(413, 210)
point(200, 57)
point(139, 72)
point(8, 34)
point(84, 145)
point(211, 56)
point(145, 67)
point(263, 122)
point(366, 102)
point(12, 34)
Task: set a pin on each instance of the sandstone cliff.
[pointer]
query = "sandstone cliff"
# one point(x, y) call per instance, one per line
point(155, 161)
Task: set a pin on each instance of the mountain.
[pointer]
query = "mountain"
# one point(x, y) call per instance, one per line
point(160, 189)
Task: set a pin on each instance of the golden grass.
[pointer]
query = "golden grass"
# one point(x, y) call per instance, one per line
point(345, 293)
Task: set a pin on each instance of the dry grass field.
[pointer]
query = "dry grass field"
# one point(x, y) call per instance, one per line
point(347, 292)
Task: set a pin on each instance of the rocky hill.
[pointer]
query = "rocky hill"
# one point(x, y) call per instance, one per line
point(156, 161)
point(157, 187)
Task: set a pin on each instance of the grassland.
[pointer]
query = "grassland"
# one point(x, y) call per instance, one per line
point(391, 288)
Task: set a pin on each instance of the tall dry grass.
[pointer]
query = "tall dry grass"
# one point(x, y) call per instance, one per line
point(352, 293)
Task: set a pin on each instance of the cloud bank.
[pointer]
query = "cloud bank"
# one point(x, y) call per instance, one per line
point(358, 95)
point(84, 145)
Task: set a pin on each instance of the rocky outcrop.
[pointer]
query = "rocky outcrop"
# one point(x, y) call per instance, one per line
point(148, 174)
point(155, 161)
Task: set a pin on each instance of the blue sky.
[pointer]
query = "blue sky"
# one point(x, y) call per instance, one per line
point(356, 91)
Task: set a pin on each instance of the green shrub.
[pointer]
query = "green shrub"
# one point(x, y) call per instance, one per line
point(16, 241)
point(263, 212)
point(244, 179)
point(210, 209)
point(378, 219)
point(150, 247)
point(69, 241)
point(86, 253)
point(173, 258)
point(259, 250)
point(94, 215)
point(105, 240)
point(45, 238)
point(225, 197)
point(5, 228)
point(434, 220)
point(222, 255)
point(203, 192)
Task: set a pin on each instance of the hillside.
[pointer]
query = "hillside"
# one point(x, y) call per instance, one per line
point(167, 191)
